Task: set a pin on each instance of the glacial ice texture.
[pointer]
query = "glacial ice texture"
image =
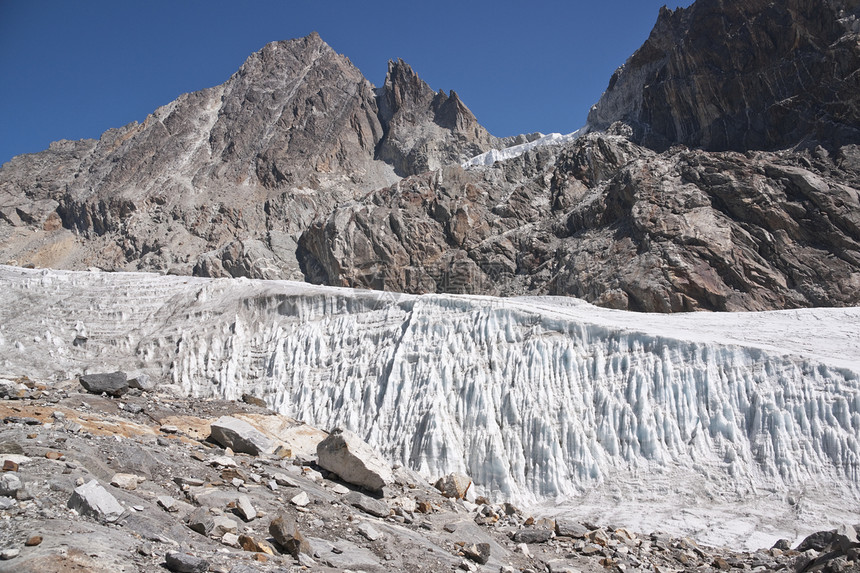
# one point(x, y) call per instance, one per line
point(540, 400)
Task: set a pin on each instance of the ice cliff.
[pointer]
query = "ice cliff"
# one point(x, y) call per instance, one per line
point(536, 398)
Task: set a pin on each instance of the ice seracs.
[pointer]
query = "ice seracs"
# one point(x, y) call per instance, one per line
point(536, 399)
point(493, 155)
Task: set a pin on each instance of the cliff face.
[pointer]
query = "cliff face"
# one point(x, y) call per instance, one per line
point(220, 182)
point(613, 223)
point(426, 130)
point(725, 75)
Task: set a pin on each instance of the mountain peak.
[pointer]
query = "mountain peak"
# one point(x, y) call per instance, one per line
point(742, 75)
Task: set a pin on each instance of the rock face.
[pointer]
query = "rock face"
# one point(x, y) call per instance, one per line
point(614, 223)
point(742, 75)
point(220, 182)
point(425, 130)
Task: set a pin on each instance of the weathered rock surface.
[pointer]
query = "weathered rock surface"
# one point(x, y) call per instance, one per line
point(220, 182)
point(113, 383)
point(454, 485)
point(92, 499)
point(425, 130)
point(353, 460)
point(240, 436)
point(614, 223)
point(742, 75)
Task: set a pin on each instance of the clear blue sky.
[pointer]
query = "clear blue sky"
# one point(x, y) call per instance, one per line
point(72, 69)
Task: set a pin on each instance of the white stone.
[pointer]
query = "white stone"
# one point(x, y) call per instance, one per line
point(92, 499)
point(240, 436)
point(124, 481)
point(245, 508)
point(301, 499)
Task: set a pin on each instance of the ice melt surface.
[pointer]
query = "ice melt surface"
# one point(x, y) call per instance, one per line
point(735, 427)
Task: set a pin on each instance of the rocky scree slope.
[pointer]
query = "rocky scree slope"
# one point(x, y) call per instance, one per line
point(220, 182)
point(143, 482)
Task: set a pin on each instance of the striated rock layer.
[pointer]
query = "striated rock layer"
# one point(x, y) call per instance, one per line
point(724, 75)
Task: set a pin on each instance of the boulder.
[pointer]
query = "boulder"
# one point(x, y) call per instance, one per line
point(532, 535)
point(9, 484)
point(113, 383)
point(367, 504)
point(454, 485)
point(141, 381)
point(287, 535)
point(240, 436)
point(181, 562)
point(353, 460)
point(245, 508)
point(92, 499)
point(201, 521)
point(477, 552)
point(568, 528)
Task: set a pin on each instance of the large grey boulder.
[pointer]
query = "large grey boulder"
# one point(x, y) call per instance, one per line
point(353, 460)
point(240, 436)
point(113, 383)
point(181, 562)
point(92, 499)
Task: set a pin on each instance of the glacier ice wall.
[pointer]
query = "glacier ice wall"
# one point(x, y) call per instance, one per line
point(534, 398)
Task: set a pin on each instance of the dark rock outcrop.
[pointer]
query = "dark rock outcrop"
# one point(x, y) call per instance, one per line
point(742, 75)
point(613, 223)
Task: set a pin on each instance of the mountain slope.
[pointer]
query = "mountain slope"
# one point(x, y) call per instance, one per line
point(221, 181)
point(726, 75)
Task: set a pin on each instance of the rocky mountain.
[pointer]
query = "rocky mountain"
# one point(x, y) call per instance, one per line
point(719, 172)
point(761, 75)
point(614, 223)
point(221, 181)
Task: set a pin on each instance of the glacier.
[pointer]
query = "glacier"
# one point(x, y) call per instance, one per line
point(490, 157)
point(735, 427)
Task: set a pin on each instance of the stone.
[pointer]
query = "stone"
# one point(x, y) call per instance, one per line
point(287, 535)
point(141, 381)
point(245, 508)
point(222, 525)
point(353, 460)
point(201, 521)
point(33, 541)
point(782, 545)
point(844, 538)
point(570, 528)
point(817, 541)
point(301, 499)
point(124, 481)
point(532, 535)
point(477, 552)
point(113, 384)
point(454, 485)
point(167, 503)
point(92, 499)
point(9, 553)
point(231, 539)
point(181, 562)
point(10, 484)
point(253, 545)
point(240, 436)
point(560, 566)
point(367, 504)
point(369, 532)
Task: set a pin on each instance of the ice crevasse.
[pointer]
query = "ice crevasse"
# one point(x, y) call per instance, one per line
point(535, 398)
